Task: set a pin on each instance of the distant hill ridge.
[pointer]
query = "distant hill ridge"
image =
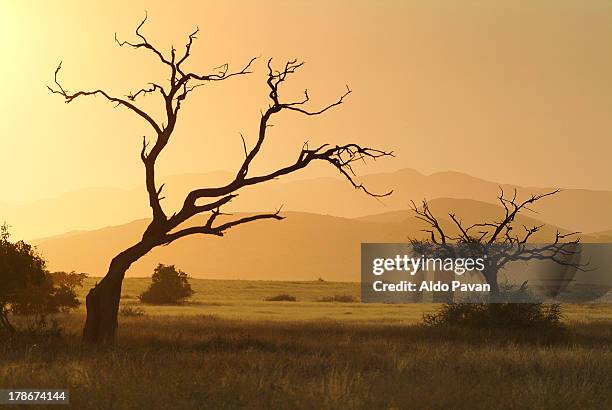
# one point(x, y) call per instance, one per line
point(304, 246)
point(574, 209)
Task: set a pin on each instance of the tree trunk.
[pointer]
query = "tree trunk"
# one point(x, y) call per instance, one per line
point(102, 308)
point(103, 299)
point(4, 321)
point(490, 274)
point(494, 295)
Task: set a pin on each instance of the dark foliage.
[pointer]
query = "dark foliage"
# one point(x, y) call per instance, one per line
point(170, 286)
point(537, 316)
point(56, 293)
point(28, 288)
point(338, 298)
point(283, 297)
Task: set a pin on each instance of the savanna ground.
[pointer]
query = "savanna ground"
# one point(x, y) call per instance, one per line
point(228, 348)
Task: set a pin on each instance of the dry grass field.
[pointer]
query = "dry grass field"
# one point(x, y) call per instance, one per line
point(228, 348)
point(244, 300)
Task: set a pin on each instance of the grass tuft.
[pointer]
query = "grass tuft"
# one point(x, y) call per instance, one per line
point(283, 297)
point(338, 298)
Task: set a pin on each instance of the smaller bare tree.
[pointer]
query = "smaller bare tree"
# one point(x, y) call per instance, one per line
point(497, 240)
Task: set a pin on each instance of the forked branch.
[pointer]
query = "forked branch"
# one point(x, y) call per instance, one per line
point(209, 229)
point(69, 97)
point(499, 235)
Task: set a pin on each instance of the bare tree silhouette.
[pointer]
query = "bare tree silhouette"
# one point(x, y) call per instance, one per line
point(103, 299)
point(497, 240)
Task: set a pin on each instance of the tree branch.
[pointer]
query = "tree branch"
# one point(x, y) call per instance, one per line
point(181, 84)
point(340, 157)
point(208, 229)
point(192, 37)
point(70, 97)
point(144, 44)
point(497, 239)
point(144, 91)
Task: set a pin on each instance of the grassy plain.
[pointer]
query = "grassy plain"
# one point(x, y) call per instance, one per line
point(244, 300)
point(228, 348)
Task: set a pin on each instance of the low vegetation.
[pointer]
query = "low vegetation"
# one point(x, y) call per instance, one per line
point(169, 286)
point(308, 354)
point(283, 297)
point(509, 316)
point(163, 362)
point(27, 288)
point(338, 298)
point(131, 311)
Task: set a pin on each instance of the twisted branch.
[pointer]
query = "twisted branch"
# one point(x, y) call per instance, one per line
point(181, 83)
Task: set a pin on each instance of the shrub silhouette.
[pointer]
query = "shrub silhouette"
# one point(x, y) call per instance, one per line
point(283, 297)
point(338, 298)
point(513, 316)
point(170, 286)
point(28, 288)
point(54, 293)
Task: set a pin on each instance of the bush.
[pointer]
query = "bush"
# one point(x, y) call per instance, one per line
point(55, 293)
point(28, 288)
point(283, 297)
point(496, 315)
point(33, 335)
point(130, 311)
point(338, 298)
point(170, 286)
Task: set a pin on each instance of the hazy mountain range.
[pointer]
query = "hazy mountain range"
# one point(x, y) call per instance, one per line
point(326, 222)
point(304, 246)
point(87, 209)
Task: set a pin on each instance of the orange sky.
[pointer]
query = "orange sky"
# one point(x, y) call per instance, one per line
point(515, 91)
